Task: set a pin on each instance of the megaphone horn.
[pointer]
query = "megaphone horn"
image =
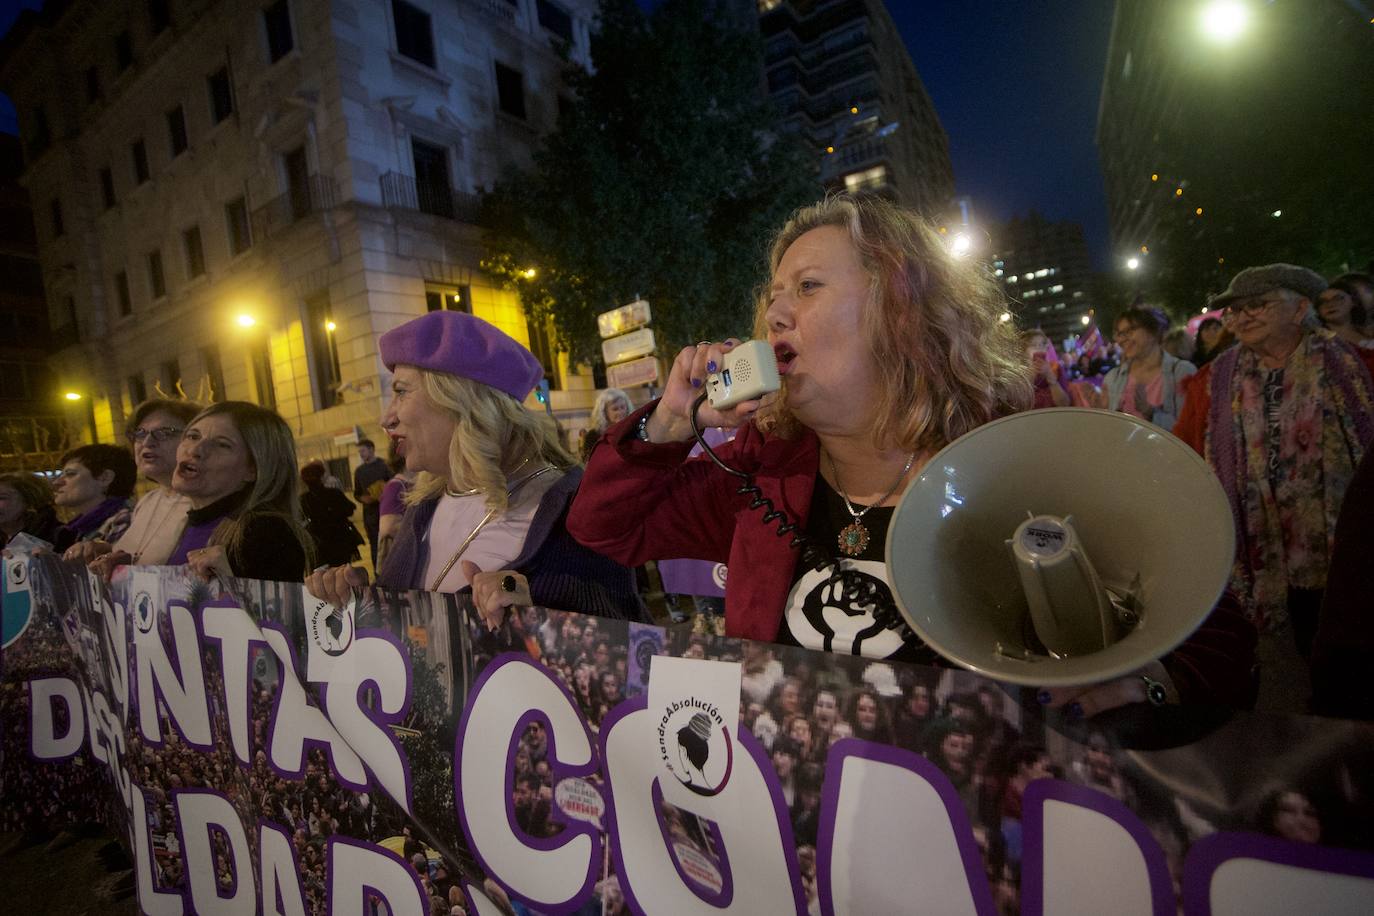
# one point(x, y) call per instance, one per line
point(1060, 547)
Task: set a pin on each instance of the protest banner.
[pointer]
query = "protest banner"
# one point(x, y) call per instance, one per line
point(259, 752)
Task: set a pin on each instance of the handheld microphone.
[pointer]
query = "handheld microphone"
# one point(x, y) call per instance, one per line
point(747, 372)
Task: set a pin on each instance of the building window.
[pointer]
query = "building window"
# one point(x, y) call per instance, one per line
point(541, 345)
point(107, 192)
point(92, 84)
point(448, 298)
point(59, 229)
point(140, 154)
point(868, 179)
point(320, 330)
point(236, 216)
point(214, 372)
point(221, 95)
point(157, 280)
point(277, 20)
point(159, 16)
point(126, 305)
point(262, 376)
point(138, 392)
point(554, 18)
point(297, 167)
point(170, 372)
point(124, 51)
point(39, 134)
point(432, 191)
point(176, 130)
point(510, 91)
point(195, 254)
point(414, 35)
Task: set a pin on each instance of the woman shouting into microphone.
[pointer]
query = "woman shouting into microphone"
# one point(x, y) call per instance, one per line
point(889, 348)
point(493, 484)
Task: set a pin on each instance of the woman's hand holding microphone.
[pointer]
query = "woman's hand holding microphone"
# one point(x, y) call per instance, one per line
point(671, 419)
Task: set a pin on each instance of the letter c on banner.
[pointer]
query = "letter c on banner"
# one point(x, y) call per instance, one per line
point(546, 873)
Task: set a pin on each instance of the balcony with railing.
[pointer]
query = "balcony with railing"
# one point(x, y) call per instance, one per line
point(403, 192)
point(314, 195)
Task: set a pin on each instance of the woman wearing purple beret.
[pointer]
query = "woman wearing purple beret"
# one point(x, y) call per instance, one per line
point(494, 483)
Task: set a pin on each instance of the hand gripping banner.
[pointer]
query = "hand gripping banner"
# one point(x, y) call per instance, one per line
point(258, 752)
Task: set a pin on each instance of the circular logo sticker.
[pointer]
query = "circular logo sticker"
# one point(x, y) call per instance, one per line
point(718, 573)
point(695, 747)
point(330, 628)
point(144, 613)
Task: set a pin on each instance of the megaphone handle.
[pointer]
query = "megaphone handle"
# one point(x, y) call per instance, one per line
point(857, 589)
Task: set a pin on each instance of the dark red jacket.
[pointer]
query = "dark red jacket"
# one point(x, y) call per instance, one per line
point(639, 501)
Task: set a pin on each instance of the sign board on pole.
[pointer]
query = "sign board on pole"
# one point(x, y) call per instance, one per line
point(347, 436)
point(625, 318)
point(642, 371)
point(628, 346)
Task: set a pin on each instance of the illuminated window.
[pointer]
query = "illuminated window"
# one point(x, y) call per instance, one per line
point(1057, 288)
point(875, 177)
point(1043, 272)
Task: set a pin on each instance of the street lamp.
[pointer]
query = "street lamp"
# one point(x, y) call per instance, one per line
point(1133, 263)
point(72, 396)
point(961, 244)
point(1225, 20)
point(1085, 320)
point(245, 320)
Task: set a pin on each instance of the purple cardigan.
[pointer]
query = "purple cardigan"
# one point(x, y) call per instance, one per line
point(562, 573)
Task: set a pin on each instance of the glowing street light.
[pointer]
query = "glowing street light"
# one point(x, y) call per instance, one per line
point(1085, 320)
point(961, 244)
point(1006, 316)
point(72, 396)
point(529, 273)
point(1133, 263)
point(1225, 20)
point(1276, 214)
point(330, 326)
point(245, 320)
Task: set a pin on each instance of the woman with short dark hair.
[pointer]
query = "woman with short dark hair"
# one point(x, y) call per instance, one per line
point(95, 485)
point(1148, 383)
point(26, 508)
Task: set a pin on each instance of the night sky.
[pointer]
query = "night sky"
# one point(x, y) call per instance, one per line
point(1015, 84)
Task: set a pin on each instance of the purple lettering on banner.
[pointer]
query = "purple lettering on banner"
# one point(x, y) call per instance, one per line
point(357, 869)
point(483, 835)
point(1108, 879)
point(188, 709)
point(368, 656)
point(1281, 889)
point(151, 899)
point(839, 778)
point(44, 743)
point(289, 688)
point(280, 872)
point(615, 810)
point(202, 813)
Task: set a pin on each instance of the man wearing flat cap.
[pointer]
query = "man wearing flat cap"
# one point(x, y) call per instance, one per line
point(1284, 418)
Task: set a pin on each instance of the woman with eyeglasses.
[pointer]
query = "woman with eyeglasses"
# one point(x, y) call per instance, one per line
point(1148, 383)
point(154, 432)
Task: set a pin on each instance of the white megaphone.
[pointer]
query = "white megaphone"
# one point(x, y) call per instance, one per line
point(1060, 547)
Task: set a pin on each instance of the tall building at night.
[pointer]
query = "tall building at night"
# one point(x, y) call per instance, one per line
point(1045, 270)
point(843, 79)
point(235, 200)
point(1223, 150)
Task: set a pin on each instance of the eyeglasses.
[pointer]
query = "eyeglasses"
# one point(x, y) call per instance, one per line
point(159, 436)
point(1250, 307)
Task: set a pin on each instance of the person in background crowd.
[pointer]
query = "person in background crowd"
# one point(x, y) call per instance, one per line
point(1047, 376)
point(237, 466)
point(1362, 286)
point(1147, 383)
point(95, 486)
point(328, 518)
point(494, 481)
point(1178, 344)
point(1025, 764)
point(1284, 419)
point(1343, 648)
point(368, 480)
point(160, 515)
point(1289, 814)
point(26, 507)
point(889, 348)
point(612, 406)
point(1341, 313)
point(1212, 338)
point(392, 505)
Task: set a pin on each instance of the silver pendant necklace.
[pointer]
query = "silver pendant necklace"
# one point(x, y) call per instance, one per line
point(853, 539)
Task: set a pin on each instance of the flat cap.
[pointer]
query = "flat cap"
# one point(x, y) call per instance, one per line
point(466, 346)
point(1255, 281)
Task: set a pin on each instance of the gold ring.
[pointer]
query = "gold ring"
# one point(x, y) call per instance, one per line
point(704, 343)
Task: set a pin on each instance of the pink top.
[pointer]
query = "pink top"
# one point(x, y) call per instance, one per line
point(495, 546)
point(1154, 394)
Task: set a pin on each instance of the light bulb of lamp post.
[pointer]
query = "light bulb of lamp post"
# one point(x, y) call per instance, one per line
point(529, 273)
point(1225, 20)
point(72, 396)
point(330, 326)
point(1133, 264)
point(961, 244)
point(1006, 316)
point(246, 321)
point(1085, 320)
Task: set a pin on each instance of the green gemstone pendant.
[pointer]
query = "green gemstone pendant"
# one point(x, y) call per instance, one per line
point(853, 539)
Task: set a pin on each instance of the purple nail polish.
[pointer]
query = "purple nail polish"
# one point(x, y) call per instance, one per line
point(1043, 698)
point(696, 383)
point(710, 365)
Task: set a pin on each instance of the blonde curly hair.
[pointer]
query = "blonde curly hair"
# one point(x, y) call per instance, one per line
point(492, 432)
point(932, 322)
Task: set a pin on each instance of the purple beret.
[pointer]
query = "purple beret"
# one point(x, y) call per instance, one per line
point(466, 346)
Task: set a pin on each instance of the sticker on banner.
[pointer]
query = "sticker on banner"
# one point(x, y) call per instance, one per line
point(145, 595)
point(718, 574)
point(580, 800)
point(695, 704)
point(329, 632)
point(18, 601)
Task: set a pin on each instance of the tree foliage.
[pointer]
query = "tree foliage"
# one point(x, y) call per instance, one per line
point(664, 179)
